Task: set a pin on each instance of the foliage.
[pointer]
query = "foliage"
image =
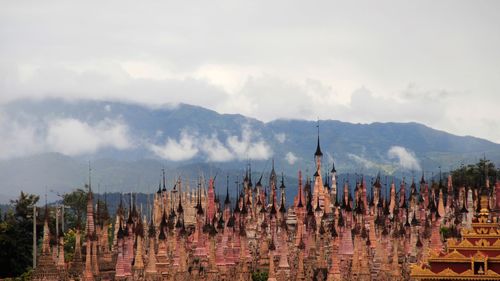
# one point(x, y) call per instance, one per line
point(77, 201)
point(111, 236)
point(16, 234)
point(259, 276)
point(475, 174)
point(23, 204)
point(26, 276)
point(445, 231)
point(69, 244)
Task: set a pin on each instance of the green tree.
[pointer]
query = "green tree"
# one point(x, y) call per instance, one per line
point(474, 175)
point(77, 201)
point(16, 236)
point(69, 244)
point(259, 276)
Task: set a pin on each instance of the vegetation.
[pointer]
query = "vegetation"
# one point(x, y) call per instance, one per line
point(77, 202)
point(475, 174)
point(259, 276)
point(16, 237)
point(16, 232)
point(69, 244)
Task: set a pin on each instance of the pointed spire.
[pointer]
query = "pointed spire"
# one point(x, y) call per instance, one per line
point(299, 204)
point(318, 207)
point(282, 207)
point(180, 209)
point(318, 152)
point(163, 175)
point(245, 180)
point(199, 206)
point(259, 182)
point(250, 184)
point(282, 186)
point(159, 188)
point(227, 201)
point(272, 176)
point(327, 182)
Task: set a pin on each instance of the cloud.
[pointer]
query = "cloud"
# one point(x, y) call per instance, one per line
point(215, 151)
point(245, 147)
point(317, 61)
point(248, 145)
point(280, 137)
point(262, 93)
point(369, 164)
point(363, 161)
point(406, 158)
point(17, 139)
point(25, 133)
point(23, 136)
point(88, 81)
point(183, 149)
point(291, 158)
point(74, 137)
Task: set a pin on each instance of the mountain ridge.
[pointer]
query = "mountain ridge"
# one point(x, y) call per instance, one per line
point(208, 139)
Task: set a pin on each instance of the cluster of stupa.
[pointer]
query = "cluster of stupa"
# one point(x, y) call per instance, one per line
point(329, 233)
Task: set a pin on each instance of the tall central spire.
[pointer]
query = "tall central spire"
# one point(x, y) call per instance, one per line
point(318, 152)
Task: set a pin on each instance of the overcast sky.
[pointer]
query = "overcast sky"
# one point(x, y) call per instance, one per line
point(434, 62)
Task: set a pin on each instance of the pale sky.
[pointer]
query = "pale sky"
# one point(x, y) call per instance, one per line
point(433, 62)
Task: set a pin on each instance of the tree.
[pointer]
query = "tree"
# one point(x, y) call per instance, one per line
point(259, 276)
point(16, 236)
point(77, 201)
point(474, 175)
point(69, 244)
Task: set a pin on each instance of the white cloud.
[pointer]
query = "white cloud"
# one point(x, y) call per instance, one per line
point(215, 150)
point(280, 137)
point(363, 161)
point(183, 149)
point(406, 158)
point(230, 77)
point(23, 135)
point(245, 147)
point(248, 145)
point(291, 158)
point(18, 139)
point(27, 134)
point(74, 137)
point(146, 70)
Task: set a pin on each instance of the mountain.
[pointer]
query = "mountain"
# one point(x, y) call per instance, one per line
point(46, 144)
